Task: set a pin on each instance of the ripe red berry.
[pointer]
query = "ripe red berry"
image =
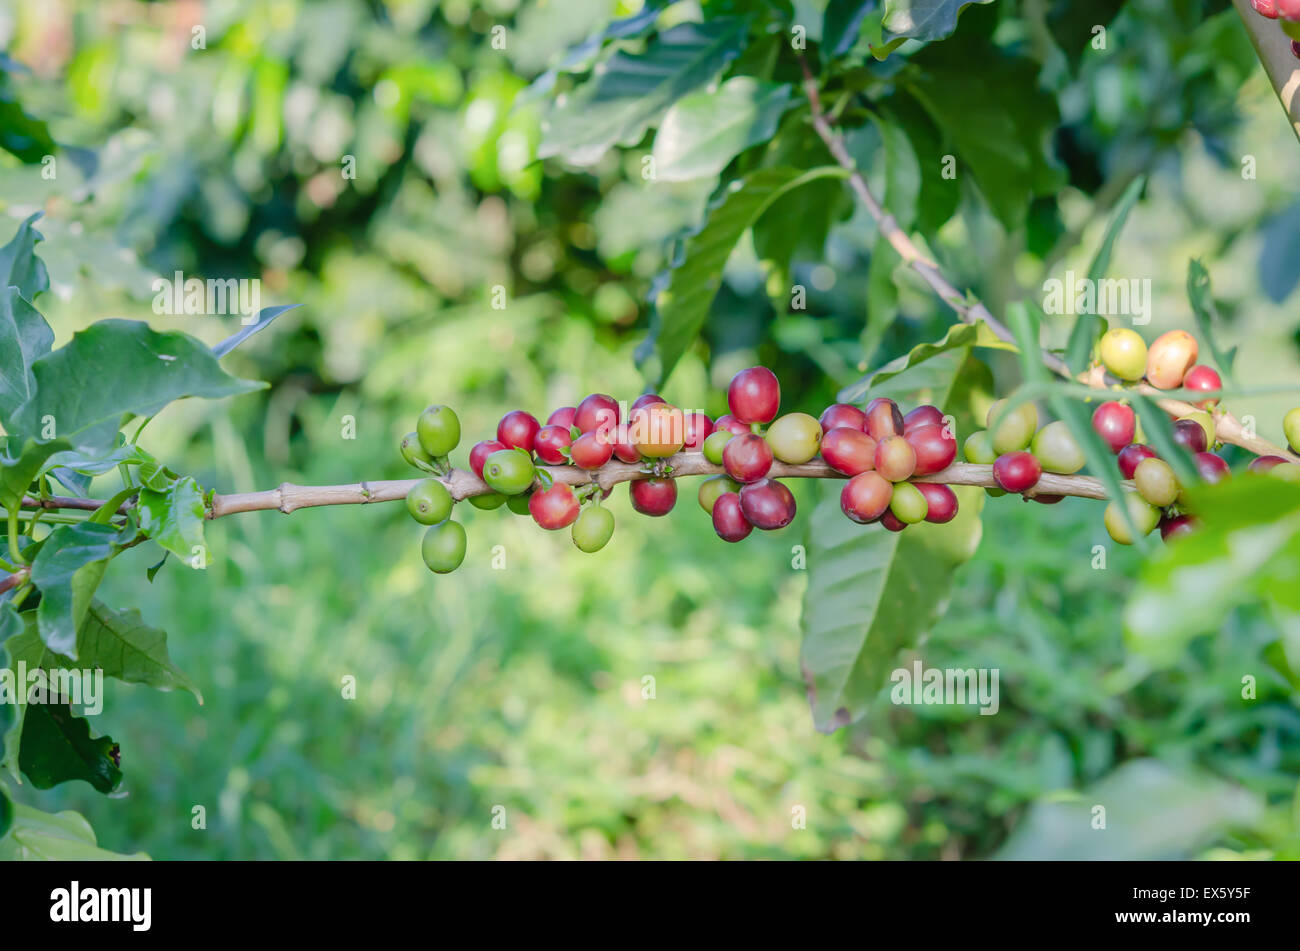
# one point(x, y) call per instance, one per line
point(654, 496)
point(1047, 499)
point(1211, 467)
point(895, 458)
point(848, 450)
point(754, 395)
point(645, 399)
point(842, 414)
point(698, 427)
point(1203, 379)
point(1131, 456)
point(934, 445)
point(731, 425)
point(1179, 525)
point(1190, 434)
point(728, 519)
point(767, 504)
point(923, 415)
point(892, 522)
point(517, 430)
point(554, 508)
point(747, 458)
point(1288, 9)
point(883, 419)
point(549, 444)
point(562, 417)
point(1115, 424)
point(597, 411)
point(1017, 471)
point(626, 452)
point(478, 455)
point(866, 497)
point(591, 450)
point(1265, 463)
point(941, 501)
point(1266, 8)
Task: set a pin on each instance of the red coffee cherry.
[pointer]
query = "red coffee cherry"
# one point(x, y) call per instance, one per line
point(934, 446)
point(1203, 379)
point(842, 414)
point(923, 415)
point(654, 496)
point(747, 458)
point(562, 417)
point(848, 451)
point(1046, 499)
point(645, 399)
point(517, 430)
point(767, 504)
point(866, 497)
point(1115, 424)
point(883, 419)
point(554, 508)
point(1190, 434)
point(895, 458)
point(754, 395)
point(892, 521)
point(1266, 8)
point(597, 411)
point(478, 455)
point(698, 427)
point(728, 520)
point(549, 444)
point(590, 450)
point(1179, 525)
point(942, 502)
point(1211, 467)
point(731, 425)
point(1130, 457)
point(657, 430)
point(1017, 471)
point(1265, 463)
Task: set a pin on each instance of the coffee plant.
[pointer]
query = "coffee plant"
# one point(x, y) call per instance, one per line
point(920, 118)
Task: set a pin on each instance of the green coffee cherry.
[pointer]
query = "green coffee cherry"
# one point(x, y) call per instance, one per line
point(1291, 426)
point(487, 501)
point(429, 502)
point(795, 438)
point(908, 504)
point(1287, 472)
point(1124, 353)
point(413, 452)
point(1145, 516)
point(593, 529)
point(1156, 482)
point(1056, 450)
point(443, 547)
point(714, 444)
point(509, 471)
point(713, 487)
point(1016, 431)
point(438, 430)
point(978, 448)
point(519, 503)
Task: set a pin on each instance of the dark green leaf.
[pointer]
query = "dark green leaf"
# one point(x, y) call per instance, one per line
point(24, 337)
point(58, 747)
point(19, 265)
point(1207, 315)
point(174, 518)
point(264, 318)
point(841, 23)
point(1072, 24)
point(580, 58)
point(923, 19)
point(704, 131)
point(958, 336)
point(127, 649)
point(20, 134)
point(67, 571)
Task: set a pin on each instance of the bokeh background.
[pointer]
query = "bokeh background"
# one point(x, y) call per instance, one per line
point(523, 688)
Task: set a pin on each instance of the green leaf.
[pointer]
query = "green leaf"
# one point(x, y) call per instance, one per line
point(58, 747)
point(841, 23)
point(1072, 23)
point(1245, 551)
point(20, 134)
point(872, 592)
point(6, 814)
point(24, 337)
point(682, 307)
point(631, 92)
point(580, 58)
point(67, 571)
point(58, 837)
point(135, 369)
point(796, 224)
point(923, 19)
point(127, 649)
point(18, 471)
point(704, 131)
point(958, 336)
point(263, 320)
point(174, 518)
point(19, 265)
point(75, 469)
point(23, 646)
point(1207, 315)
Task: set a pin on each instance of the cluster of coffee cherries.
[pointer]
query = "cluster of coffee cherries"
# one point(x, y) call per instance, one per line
point(1020, 452)
point(1286, 9)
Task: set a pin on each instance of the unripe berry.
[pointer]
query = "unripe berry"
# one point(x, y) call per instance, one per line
point(657, 430)
point(698, 428)
point(978, 448)
point(728, 520)
point(1212, 468)
point(795, 438)
point(413, 452)
point(596, 412)
point(1130, 457)
point(1055, 449)
point(518, 504)
point(593, 529)
point(1179, 525)
point(1156, 482)
point(438, 430)
point(1017, 428)
point(479, 454)
point(1124, 353)
point(923, 415)
point(843, 414)
point(550, 443)
point(1291, 427)
point(429, 502)
point(1265, 463)
point(1144, 515)
point(554, 508)
point(747, 458)
point(934, 446)
point(940, 500)
point(653, 496)
point(518, 430)
point(1169, 358)
point(562, 417)
point(754, 395)
point(883, 419)
point(1203, 379)
point(714, 486)
point(730, 424)
point(895, 458)
point(1115, 423)
point(767, 505)
point(1287, 472)
point(715, 443)
point(1206, 422)
point(1190, 434)
point(443, 547)
point(509, 471)
point(848, 451)
point(645, 399)
point(865, 497)
point(487, 501)
point(1017, 471)
point(909, 504)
